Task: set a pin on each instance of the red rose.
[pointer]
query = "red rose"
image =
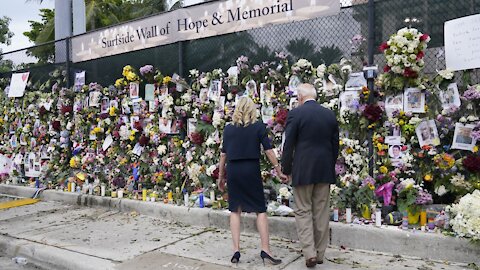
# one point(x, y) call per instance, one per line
point(420, 55)
point(116, 134)
point(66, 109)
point(281, 117)
point(409, 73)
point(138, 126)
point(373, 112)
point(144, 140)
point(424, 37)
point(215, 173)
point(383, 47)
point(472, 163)
point(386, 69)
point(42, 111)
point(197, 138)
point(56, 125)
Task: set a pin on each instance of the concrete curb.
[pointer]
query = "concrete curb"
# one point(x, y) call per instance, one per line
point(52, 258)
point(389, 240)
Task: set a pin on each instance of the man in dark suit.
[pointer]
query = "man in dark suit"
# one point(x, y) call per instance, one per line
point(309, 156)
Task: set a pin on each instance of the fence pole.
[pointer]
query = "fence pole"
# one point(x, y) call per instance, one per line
point(67, 64)
point(181, 59)
point(371, 81)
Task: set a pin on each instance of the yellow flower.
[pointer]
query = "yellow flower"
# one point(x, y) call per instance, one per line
point(428, 177)
point(166, 79)
point(383, 169)
point(402, 113)
point(73, 162)
point(131, 138)
point(340, 142)
point(112, 111)
point(372, 187)
point(1, 120)
point(126, 70)
point(119, 83)
point(475, 149)
point(349, 150)
point(401, 122)
point(379, 146)
point(131, 76)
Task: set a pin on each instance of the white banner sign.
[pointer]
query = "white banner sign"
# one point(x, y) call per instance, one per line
point(18, 84)
point(210, 19)
point(462, 39)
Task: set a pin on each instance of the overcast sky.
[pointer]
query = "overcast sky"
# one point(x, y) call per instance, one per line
point(21, 11)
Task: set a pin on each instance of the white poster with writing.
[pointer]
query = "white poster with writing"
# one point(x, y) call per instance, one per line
point(18, 84)
point(462, 39)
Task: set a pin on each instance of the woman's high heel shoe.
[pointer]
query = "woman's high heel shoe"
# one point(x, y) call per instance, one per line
point(269, 258)
point(236, 257)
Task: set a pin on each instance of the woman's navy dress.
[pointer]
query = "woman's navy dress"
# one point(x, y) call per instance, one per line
point(244, 180)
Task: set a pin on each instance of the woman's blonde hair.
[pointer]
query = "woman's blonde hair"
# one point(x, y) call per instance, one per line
point(245, 112)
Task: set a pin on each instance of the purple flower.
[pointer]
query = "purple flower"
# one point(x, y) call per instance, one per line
point(472, 93)
point(146, 69)
point(281, 55)
point(368, 181)
point(242, 62)
point(423, 197)
point(476, 135)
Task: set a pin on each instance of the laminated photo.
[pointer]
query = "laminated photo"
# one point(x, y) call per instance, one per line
point(79, 80)
point(427, 133)
point(220, 104)
point(349, 101)
point(165, 125)
point(134, 90)
point(94, 99)
point(233, 75)
point(133, 120)
point(215, 90)
point(191, 126)
point(450, 97)
point(393, 104)
point(462, 139)
point(329, 86)
point(104, 107)
point(136, 108)
point(294, 82)
point(394, 134)
point(203, 96)
point(267, 113)
point(356, 81)
point(293, 103)
point(414, 100)
point(251, 89)
point(149, 92)
point(266, 93)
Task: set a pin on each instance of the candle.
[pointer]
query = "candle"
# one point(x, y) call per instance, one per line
point(335, 214)
point(378, 218)
point(69, 186)
point(405, 220)
point(185, 198)
point(348, 215)
point(114, 194)
point(90, 189)
point(120, 193)
point(102, 190)
point(423, 218)
point(201, 203)
point(212, 195)
point(144, 194)
point(170, 196)
point(72, 186)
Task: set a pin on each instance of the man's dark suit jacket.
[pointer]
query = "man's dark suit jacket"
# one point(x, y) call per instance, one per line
point(311, 145)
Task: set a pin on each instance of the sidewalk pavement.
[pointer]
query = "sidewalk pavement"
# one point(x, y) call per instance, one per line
point(52, 235)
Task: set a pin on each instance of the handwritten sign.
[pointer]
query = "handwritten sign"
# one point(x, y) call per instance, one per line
point(18, 84)
point(462, 39)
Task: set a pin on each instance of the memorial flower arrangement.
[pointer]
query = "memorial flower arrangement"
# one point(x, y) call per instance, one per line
point(465, 215)
point(404, 52)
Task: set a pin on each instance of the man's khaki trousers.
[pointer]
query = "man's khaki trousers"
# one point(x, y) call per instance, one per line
point(312, 216)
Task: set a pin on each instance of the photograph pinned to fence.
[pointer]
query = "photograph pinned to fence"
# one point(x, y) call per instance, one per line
point(79, 80)
point(133, 120)
point(251, 89)
point(266, 93)
point(462, 138)
point(151, 106)
point(267, 113)
point(393, 104)
point(94, 99)
point(293, 103)
point(414, 100)
point(215, 90)
point(349, 101)
point(203, 96)
point(220, 104)
point(427, 133)
point(149, 92)
point(293, 83)
point(134, 90)
point(450, 97)
point(113, 103)
point(104, 107)
point(329, 86)
point(394, 134)
point(233, 75)
point(136, 107)
point(165, 125)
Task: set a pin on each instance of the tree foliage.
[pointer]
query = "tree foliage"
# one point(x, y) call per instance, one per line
point(304, 48)
point(5, 34)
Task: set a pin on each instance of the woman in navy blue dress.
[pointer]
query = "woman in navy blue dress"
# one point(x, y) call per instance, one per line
point(241, 153)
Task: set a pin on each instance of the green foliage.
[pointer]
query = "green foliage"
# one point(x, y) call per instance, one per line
point(42, 32)
point(5, 34)
point(304, 48)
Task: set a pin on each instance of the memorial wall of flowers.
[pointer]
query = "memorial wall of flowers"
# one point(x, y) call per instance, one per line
point(154, 136)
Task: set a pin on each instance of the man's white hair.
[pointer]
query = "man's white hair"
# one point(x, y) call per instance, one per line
point(306, 90)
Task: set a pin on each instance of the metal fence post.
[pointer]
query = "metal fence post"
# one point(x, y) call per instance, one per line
point(371, 83)
point(67, 63)
point(181, 60)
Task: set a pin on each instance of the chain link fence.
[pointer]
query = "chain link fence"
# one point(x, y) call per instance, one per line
point(321, 40)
